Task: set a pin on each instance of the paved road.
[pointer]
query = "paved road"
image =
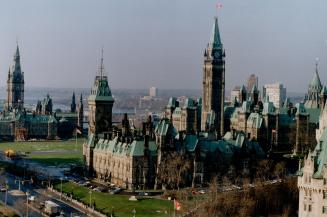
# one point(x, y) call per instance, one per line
point(41, 195)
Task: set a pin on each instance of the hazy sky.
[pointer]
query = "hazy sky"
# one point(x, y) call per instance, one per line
point(161, 42)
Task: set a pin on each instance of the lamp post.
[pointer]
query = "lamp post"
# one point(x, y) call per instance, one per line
point(27, 194)
point(60, 187)
point(6, 196)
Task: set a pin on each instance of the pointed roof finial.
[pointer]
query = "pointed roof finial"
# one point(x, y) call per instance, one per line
point(317, 62)
point(101, 65)
point(316, 79)
point(215, 41)
point(17, 52)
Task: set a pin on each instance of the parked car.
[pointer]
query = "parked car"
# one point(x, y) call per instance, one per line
point(116, 191)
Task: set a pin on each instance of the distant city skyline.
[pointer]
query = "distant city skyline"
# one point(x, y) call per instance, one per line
point(161, 43)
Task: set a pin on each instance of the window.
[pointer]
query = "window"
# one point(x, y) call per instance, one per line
point(304, 207)
point(324, 194)
point(309, 208)
point(324, 209)
point(325, 181)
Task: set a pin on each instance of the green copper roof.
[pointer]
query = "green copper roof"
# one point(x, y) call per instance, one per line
point(215, 41)
point(242, 89)
point(118, 148)
point(320, 156)
point(189, 103)
point(254, 89)
point(300, 109)
point(101, 90)
point(316, 80)
point(323, 91)
point(314, 114)
point(172, 102)
point(17, 52)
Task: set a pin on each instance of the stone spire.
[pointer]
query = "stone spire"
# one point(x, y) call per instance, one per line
point(73, 104)
point(316, 83)
point(215, 47)
point(15, 84)
point(215, 41)
point(16, 66)
point(312, 97)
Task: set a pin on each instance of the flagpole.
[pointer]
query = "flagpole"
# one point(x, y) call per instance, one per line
point(76, 140)
point(174, 209)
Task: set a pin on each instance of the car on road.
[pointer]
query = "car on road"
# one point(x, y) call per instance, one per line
point(3, 189)
point(116, 191)
point(31, 198)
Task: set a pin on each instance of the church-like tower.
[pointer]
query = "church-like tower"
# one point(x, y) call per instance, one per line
point(100, 105)
point(213, 93)
point(15, 85)
point(312, 98)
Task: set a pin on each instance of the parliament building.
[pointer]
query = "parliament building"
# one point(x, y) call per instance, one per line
point(19, 124)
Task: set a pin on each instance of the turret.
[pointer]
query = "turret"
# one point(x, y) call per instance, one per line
point(15, 84)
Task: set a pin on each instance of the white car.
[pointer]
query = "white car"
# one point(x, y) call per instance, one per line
point(31, 198)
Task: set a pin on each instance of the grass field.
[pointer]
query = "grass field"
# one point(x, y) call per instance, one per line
point(66, 145)
point(119, 203)
point(51, 153)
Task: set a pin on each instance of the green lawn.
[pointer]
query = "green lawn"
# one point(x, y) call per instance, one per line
point(53, 153)
point(54, 145)
point(119, 203)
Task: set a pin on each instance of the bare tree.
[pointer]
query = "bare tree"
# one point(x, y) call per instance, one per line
point(173, 169)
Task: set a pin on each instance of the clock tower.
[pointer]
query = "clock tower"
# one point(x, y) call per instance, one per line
point(15, 85)
point(100, 104)
point(213, 92)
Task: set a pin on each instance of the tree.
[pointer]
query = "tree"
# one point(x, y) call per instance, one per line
point(173, 170)
point(280, 170)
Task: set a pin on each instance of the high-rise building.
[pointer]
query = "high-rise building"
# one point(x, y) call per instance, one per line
point(153, 92)
point(252, 81)
point(15, 85)
point(213, 92)
point(276, 93)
